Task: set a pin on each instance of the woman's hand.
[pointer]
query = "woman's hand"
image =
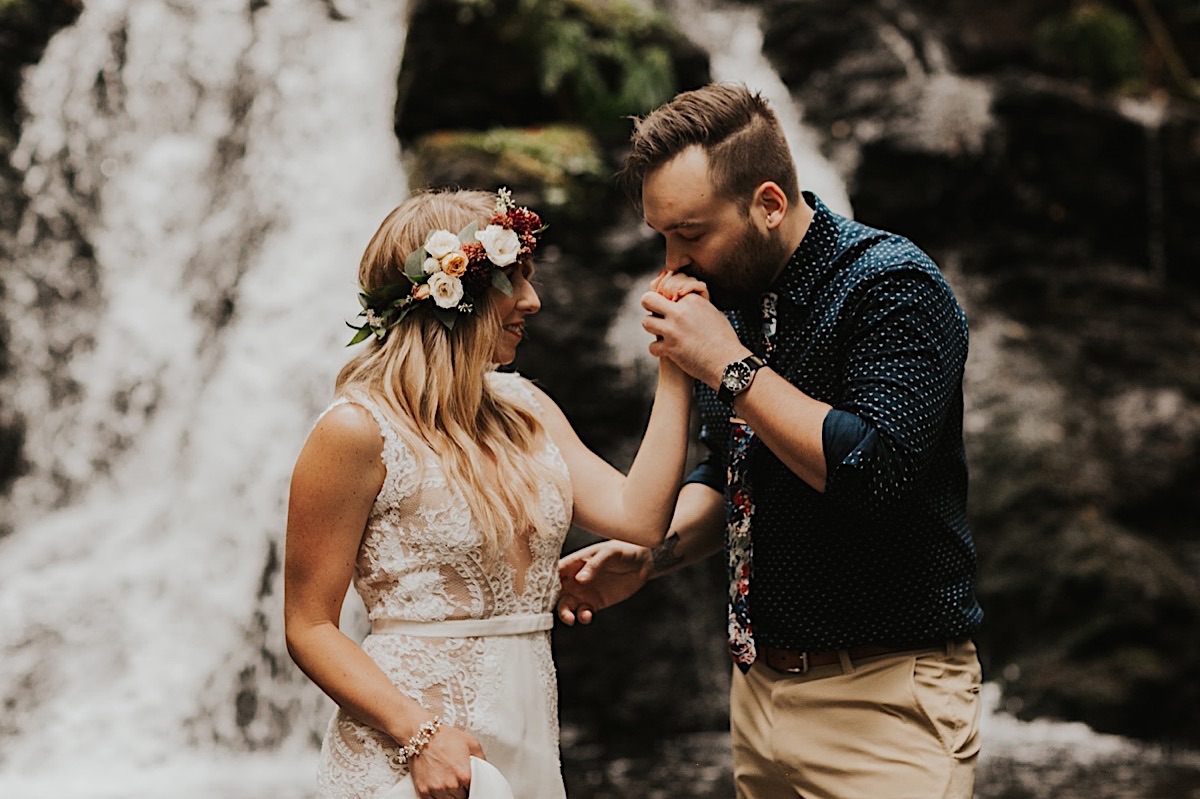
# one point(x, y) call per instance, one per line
point(674, 285)
point(443, 768)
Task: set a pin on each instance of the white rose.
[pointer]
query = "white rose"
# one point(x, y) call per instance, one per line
point(440, 243)
point(501, 244)
point(446, 291)
point(431, 265)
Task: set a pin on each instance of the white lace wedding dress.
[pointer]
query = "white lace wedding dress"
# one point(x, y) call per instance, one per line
point(467, 640)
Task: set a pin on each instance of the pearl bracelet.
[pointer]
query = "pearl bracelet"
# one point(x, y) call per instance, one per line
point(417, 743)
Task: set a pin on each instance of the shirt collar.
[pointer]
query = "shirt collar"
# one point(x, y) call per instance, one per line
point(812, 257)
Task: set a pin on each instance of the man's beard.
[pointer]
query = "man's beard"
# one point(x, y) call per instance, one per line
point(738, 279)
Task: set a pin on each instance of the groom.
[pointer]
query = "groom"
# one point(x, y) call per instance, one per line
point(829, 368)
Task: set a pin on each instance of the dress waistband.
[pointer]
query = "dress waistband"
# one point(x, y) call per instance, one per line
point(466, 628)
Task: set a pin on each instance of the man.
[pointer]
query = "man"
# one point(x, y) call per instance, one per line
point(829, 368)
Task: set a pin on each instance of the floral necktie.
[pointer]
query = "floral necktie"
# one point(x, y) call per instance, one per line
point(738, 545)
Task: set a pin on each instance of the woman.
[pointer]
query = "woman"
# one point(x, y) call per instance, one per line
point(444, 489)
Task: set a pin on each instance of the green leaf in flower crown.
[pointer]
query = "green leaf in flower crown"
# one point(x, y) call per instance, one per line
point(403, 311)
point(446, 316)
point(501, 281)
point(361, 335)
point(414, 265)
point(467, 234)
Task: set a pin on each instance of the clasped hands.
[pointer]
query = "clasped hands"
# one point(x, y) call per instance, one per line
point(688, 329)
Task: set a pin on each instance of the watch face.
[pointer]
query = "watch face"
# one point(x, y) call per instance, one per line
point(736, 376)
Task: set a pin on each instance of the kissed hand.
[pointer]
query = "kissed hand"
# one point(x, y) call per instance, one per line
point(690, 330)
point(674, 285)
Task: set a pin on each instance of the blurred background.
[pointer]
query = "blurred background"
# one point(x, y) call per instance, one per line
point(186, 188)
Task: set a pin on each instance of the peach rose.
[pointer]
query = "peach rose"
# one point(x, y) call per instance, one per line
point(454, 264)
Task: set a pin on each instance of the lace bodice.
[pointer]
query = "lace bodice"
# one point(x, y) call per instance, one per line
point(420, 557)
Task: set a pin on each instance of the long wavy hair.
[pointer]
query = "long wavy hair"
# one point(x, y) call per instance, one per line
point(432, 382)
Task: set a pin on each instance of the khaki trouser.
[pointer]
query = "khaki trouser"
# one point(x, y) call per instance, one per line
point(898, 726)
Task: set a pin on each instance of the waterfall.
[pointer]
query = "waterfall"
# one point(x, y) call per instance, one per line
point(201, 179)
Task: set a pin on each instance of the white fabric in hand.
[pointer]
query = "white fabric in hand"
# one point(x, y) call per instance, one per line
point(486, 783)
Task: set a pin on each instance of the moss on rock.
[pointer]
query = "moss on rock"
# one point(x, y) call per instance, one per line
point(558, 168)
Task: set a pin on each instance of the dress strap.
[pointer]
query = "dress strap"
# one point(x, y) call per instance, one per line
point(514, 387)
point(465, 628)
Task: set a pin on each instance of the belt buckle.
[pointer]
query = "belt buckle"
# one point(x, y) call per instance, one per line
point(802, 668)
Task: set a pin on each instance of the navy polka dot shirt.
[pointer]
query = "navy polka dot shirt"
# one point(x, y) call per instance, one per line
point(867, 323)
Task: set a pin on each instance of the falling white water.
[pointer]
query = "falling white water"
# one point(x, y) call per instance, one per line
point(227, 166)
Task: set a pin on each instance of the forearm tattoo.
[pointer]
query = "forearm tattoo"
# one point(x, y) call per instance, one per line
point(664, 556)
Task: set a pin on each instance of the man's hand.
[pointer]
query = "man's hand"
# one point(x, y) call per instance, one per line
point(693, 333)
point(600, 576)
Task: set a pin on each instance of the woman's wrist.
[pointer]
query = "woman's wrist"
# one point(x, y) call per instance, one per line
point(415, 744)
point(671, 375)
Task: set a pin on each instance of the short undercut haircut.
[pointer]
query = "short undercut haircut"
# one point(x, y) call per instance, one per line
point(735, 127)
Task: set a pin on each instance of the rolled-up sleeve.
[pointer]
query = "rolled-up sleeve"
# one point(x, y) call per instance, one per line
point(903, 380)
point(711, 471)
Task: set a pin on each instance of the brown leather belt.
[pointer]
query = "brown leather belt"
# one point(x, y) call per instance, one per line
point(793, 662)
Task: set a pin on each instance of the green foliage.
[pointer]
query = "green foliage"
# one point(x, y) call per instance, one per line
point(607, 58)
point(1095, 42)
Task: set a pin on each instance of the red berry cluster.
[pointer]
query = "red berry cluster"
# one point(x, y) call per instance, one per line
point(525, 222)
point(478, 276)
point(521, 220)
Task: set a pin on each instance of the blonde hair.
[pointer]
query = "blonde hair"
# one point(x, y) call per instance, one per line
point(432, 381)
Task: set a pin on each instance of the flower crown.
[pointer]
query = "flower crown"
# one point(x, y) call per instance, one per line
point(449, 270)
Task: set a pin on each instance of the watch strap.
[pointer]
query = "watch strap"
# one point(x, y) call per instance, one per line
point(753, 363)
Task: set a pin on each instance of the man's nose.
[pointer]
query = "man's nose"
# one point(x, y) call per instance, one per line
point(677, 258)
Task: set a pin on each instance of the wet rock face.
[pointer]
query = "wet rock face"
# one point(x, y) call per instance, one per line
point(952, 135)
point(1062, 213)
point(25, 27)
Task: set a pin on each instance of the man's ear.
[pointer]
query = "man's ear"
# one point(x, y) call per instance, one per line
point(769, 205)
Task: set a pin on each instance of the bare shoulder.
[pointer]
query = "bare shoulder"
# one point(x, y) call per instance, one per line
point(350, 431)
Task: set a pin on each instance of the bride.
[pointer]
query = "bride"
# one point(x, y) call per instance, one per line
point(443, 489)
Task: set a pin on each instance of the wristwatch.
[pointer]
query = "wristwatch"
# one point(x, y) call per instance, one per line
point(737, 377)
